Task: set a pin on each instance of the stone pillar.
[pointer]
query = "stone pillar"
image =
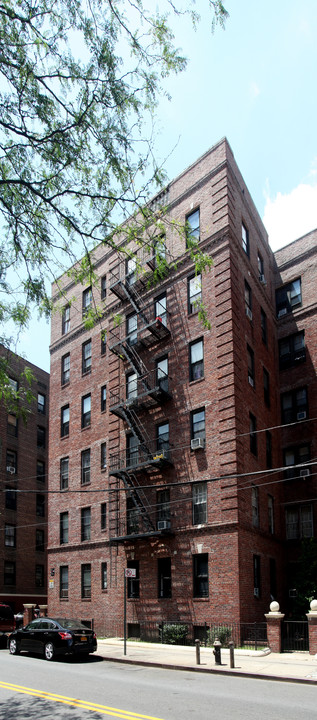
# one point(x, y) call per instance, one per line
point(43, 610)
point(274, 630)
point(312, 627)
point(28, 613)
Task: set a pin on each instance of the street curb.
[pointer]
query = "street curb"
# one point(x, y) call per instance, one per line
point(210, 671)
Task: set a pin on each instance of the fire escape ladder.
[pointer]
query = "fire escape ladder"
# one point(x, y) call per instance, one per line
point(139, 499)
point(137, 429)
point(136, 364)
point(135, 300)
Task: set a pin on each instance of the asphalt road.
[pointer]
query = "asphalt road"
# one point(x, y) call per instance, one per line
point(34, 689)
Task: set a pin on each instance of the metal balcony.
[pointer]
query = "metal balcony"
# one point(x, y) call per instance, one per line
point(138, 459)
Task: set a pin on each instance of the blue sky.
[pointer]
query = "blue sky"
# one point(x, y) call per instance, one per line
point(256, 83)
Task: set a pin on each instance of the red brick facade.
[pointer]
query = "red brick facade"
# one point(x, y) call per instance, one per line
point(220, 553)
point(23, 501)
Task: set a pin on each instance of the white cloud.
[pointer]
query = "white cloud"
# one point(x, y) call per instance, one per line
point(289, 216)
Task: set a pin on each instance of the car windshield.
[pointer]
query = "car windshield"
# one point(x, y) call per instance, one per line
point(71, 624)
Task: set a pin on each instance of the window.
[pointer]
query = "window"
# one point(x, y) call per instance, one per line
point(132, 450)
point(86, 357)
point(41, 403)
point(273, 583)
point(14, 384)
point(104, 576)
point(255, 506)
point(40, 505)
point(103, 342)
point(131, 385)
point(65, 421)
point(253, 435)
point(200, 572)
point(299, 522)
point(130, 270)
point(87, 300)
point(103, 516)
point(292, 350)
point(134, 583)
point(85, 524)
point(199, 503)
point(294, 405)
point(103, 455)
point(198, 426)
point(64, 473)
point(103, 398)
point(132, 327)
point(164, 574)
point(162, 374)
point(39, 540)
point(86, 411)
point(41, 433)
point(103, 286)
point(163, 508)
point(9, 573)
point(10, 499)
point(270, 509)
point(86, 581)
point(132, 517)
point(65, 369)
point(257, 575)
point(245, 239)
point(248, 299)
point(194, 293)
point(159, 249)
point(63, 582)
point(11, 462)
point(40, 471)
point(288, 297)
point(63, 528)
point(261, 268)
point(10, 536)
point(296, 456)
point(268, 446)
point(12, 425)
point(160, 312)
point(251, 375)
point(192, 228)
point(266, 387)
point(162, 438)
point(85, 467)
point(39, 575)
point(66, 320)
point(264, 326)
point(196, 360)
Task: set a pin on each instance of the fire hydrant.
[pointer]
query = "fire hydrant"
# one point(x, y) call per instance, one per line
point(217, 651)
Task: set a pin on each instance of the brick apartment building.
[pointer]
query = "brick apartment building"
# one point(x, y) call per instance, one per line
point(166, 446)
point(23, 500)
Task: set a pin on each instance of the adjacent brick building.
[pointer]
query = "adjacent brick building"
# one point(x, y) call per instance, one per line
point(166, 447)
point(23, 500)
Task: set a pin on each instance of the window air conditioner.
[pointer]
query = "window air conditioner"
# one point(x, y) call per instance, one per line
point(304, 472)
point(281, 312)
point(292, 593)
point(301, 415)
point(11, 469)
point(248, 313)
point(256, 592)
point(262, 279)
point(163, 524)
point(197, 443)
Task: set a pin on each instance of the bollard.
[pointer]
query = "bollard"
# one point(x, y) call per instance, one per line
point(231, 649)
point(217, 651)
point(197, 643)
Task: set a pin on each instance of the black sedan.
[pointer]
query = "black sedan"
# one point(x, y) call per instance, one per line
point(53, 636)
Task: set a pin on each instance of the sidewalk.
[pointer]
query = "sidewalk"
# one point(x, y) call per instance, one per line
point(295, 667)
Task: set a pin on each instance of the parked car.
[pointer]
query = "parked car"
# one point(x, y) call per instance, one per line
point(53, 636)
point(7, 623)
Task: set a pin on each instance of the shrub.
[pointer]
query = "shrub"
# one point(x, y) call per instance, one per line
point(174, 634)
point(222, 632)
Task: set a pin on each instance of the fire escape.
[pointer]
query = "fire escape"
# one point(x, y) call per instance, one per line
point(139, 328)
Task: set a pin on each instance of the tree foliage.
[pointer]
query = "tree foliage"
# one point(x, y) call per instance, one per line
point(79, 85)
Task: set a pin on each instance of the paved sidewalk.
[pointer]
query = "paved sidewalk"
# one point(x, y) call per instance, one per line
point(296, 667)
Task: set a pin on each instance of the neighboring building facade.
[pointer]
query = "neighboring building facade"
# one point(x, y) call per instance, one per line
point(165, 438)
point(23, 508)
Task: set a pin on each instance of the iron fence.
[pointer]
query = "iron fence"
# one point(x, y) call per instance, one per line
point(246, 635)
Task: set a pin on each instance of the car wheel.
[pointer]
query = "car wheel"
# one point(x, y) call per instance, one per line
point(13, 647)
point(49, 651)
